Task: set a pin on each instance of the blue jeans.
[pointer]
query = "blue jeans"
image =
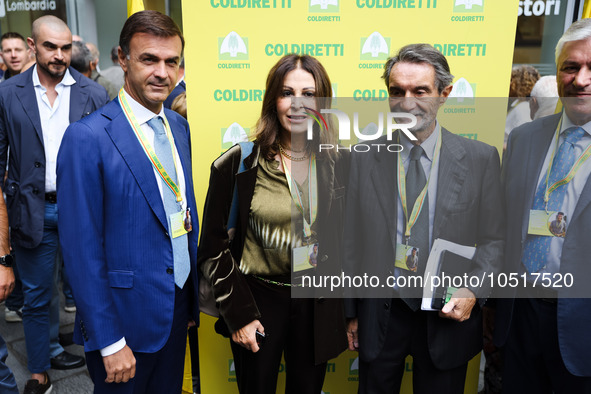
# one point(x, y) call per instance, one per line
point(15, 300)
point(38, 272)
point(66, 289)
point(7, 381)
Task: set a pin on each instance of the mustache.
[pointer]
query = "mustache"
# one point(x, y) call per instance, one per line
point(58, 63)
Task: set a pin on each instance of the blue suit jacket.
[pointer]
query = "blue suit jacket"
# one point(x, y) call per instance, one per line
point(114, 232)
point(20, 128)
point(526, 150)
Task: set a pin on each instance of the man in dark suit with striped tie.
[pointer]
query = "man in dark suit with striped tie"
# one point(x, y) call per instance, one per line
point(453, 184)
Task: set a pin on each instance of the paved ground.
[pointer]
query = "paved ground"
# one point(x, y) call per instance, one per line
point(75, 381)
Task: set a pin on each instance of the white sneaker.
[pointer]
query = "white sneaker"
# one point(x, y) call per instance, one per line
point(13, 316)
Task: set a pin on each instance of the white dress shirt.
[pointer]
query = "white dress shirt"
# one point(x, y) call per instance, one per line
point(54, 122)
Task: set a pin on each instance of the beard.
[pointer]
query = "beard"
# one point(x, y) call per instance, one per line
point(46, 67)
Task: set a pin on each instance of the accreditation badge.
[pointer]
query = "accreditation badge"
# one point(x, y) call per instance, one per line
point(305, 257)
point(407, 257)
point(177, 224)
point(188, 222)
point(550, 224)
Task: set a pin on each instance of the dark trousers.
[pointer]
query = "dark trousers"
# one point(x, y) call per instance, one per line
point(533, 363)
point(156, 373)
point(16, 299)
point(290, 327)
point(407, 335)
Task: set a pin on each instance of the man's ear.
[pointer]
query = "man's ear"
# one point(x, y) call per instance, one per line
point(444, 94)
point(122, 59)
point(533, 107)
point(31, 44)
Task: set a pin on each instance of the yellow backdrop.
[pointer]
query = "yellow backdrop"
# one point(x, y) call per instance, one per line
point(232, 44)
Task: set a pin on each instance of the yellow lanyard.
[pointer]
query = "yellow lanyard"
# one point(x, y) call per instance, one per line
point(149, 150)
point(571, 173)
point(416, 209)
point(312, 194)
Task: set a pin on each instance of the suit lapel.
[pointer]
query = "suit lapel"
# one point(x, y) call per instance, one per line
point(130, 149)
point(28, 99)
point(180, 141)
point(384, 178)
point(184, 149)
point(535, 161)
point(78, 99)
point(584, 200)
point(450, 178)
point(325, 181)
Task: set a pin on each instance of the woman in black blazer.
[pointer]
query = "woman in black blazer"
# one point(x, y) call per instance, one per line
point(290, 197)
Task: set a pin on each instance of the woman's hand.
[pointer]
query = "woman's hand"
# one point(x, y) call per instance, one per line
point(246, 336)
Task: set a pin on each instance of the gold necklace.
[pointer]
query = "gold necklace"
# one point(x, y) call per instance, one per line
point(285, 154)
point(299, 151)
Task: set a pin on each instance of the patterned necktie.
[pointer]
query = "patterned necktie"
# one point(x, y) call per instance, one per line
point(537, 247)
point(415, 182)
point(180, 245)
point(419, 235)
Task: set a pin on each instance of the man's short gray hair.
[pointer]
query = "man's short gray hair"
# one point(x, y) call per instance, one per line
point(421, 53)
point(545, 87)
point(81, 57)
point(579, 30)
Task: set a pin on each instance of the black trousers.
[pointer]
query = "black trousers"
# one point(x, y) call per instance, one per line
point(156, 373)
point(289, 326)
point(407, 335)
point(533, 363)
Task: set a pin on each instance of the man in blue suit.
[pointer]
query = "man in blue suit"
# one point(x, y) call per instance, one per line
point(128, 225)
point(35, 109)
point(546, 330)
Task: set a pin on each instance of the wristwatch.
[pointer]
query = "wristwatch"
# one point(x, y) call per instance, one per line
point(7, 260)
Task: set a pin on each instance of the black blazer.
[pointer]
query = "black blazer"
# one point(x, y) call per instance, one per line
point(468, 211)
point(20, 129)
point(218, 258)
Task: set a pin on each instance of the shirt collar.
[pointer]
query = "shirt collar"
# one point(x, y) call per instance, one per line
point(567, 123)
point(67, 79)
point(141, 113)
point(428, 145)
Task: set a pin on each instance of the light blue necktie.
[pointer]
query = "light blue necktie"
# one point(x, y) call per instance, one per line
point(180, 245)
point(537, 247)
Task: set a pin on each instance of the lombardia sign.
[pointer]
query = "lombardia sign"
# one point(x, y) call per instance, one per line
point(232, 44)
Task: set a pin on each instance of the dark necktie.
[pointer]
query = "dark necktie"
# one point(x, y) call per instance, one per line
point(180, 245)
point(419, 235)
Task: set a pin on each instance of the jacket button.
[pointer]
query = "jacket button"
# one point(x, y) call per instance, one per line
point(321, 300)
point(169, 271)
point(35, 191)
point(37, 164)
point(386, 305)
